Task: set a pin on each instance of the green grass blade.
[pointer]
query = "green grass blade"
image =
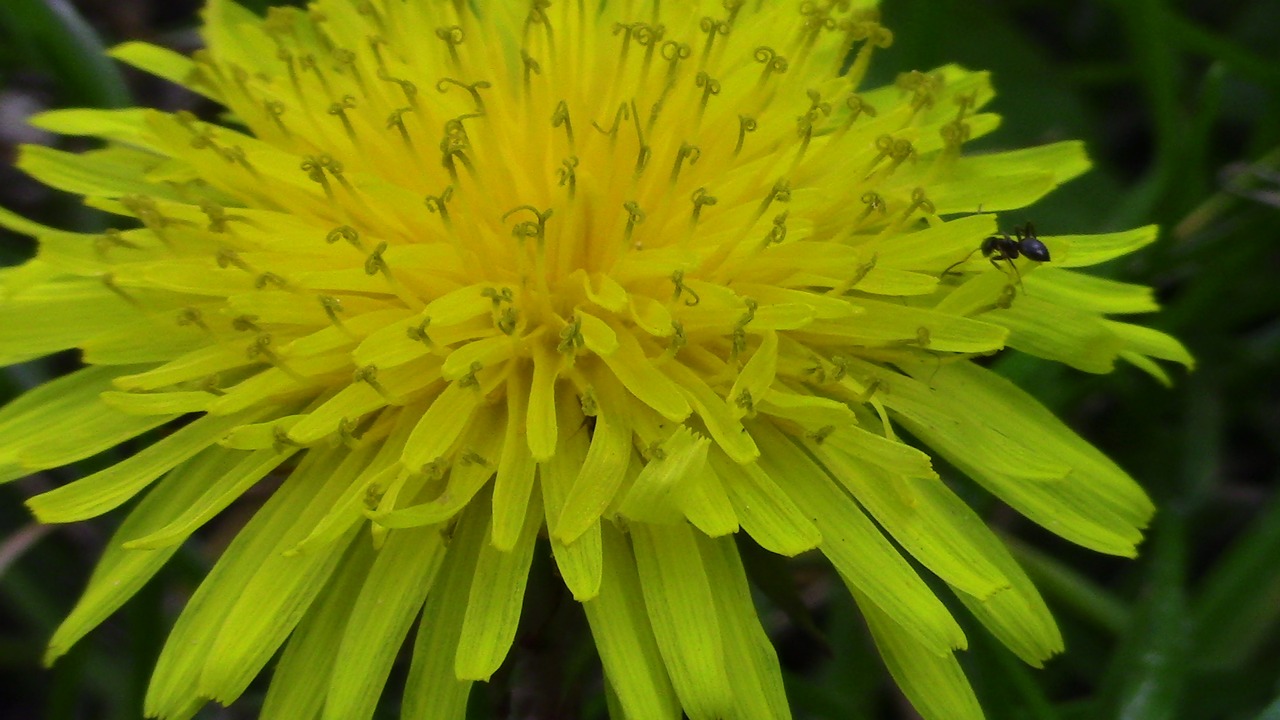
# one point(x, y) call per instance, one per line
point(52, 36)
point(1149, 671)
point(1238, 606)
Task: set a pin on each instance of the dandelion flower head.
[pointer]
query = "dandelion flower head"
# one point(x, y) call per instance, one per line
point(636, 281)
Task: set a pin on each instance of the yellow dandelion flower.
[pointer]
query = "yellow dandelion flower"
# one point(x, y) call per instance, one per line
point(638, 278)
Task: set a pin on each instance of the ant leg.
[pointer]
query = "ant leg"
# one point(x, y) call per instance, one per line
point(995, 262)
point(1017, 274)
point(957, 264)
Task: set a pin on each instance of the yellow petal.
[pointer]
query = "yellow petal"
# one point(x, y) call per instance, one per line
point(161, 62)
point(1084, 250)
point(653, 495)
point(218, 494)
point(57, 316)
point(598, 336)
point(108, 488)
point(681, 607)
point(541, 423)
point(120, 573)
point(476, 463)
point(725, 429)
point(1149, 342)
point(516, 471)
point(906, 509)
point(433, 688)
point(493, 607)
point(300, 680)
point(441, 424)
point(860, 552)
point(113, 172)
point(252, 585)
point(602, 472)
point(381, 463)
point(1007, 180)
point(646, 382)
point(272, 593)
point(624, 637)
point(1059, 480)
point(579, 562)
point(887, 323)
point(934, 682)
point(756, 376)
point(703, 500)
point(765, 510)
point(1055, 332)
point(127, 126)
point(1089, 293)
point(750, 658)
point(390, 598)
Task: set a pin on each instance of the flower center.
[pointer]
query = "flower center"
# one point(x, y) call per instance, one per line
point(617, 160)
point(656, 199)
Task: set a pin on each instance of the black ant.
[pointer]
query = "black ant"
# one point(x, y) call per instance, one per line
point(1002, 247)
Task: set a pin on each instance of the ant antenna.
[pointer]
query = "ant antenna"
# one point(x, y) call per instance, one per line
point(960, 262)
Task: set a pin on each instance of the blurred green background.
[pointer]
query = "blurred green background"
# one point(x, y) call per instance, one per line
point(1179, 104)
